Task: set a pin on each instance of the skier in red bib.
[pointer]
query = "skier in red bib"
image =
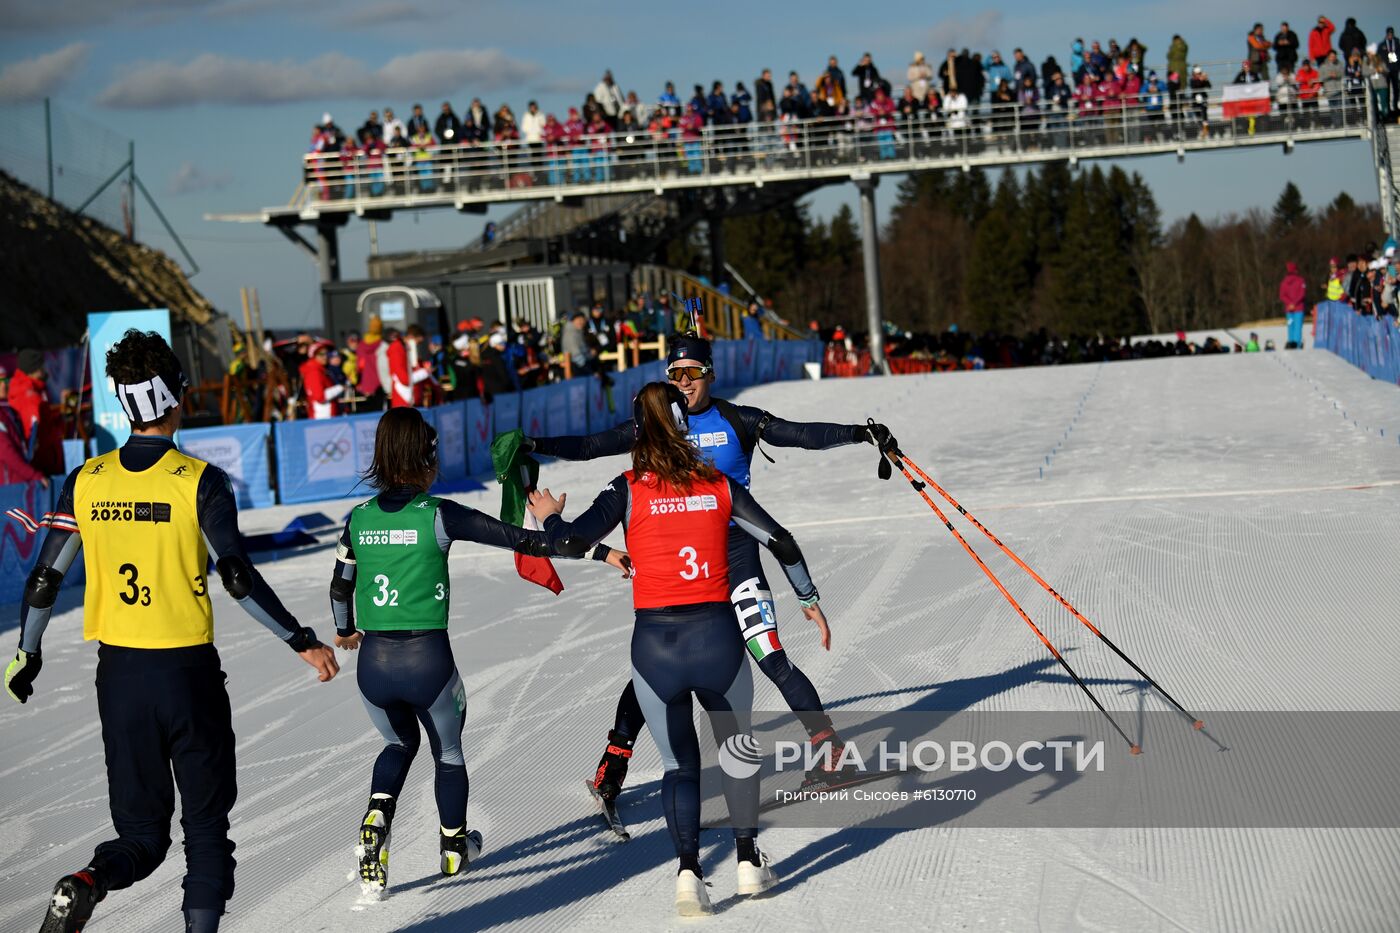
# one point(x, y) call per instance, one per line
point(675, 509)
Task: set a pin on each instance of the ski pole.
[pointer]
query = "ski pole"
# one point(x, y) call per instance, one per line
point(919, 487)
point(1198, 724)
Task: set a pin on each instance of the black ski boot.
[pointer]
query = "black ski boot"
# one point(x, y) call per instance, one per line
point(612, 769)
point(373, 850)
point(73, 899)
point(459, 850)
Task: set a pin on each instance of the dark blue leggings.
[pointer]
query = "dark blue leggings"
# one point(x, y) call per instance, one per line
point(407, 678)
point(676, 653)
point(753, 610)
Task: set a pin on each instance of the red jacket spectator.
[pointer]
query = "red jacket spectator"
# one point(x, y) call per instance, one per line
point(573, 129)
point(401, 389)
point(1292, 290)
point(598, 132)
point(14, 464)
point(691, 124)
point(370, 353)
point(882, 109)
point(30, 399)
point(1308, 81)
point(321, 391)
point(1107, 92)
point(1320, 39)
point(552, 134)
point(1130, 87)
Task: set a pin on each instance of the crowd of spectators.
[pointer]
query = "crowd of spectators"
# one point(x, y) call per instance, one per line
point(1102, 93)
point(1366, 280)
point(307, 376)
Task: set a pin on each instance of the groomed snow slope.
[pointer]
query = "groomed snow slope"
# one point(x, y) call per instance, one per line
point(1218, 516)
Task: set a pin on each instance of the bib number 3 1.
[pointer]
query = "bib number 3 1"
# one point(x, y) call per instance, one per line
point(692, 570)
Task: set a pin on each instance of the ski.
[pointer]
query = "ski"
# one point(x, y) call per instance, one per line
point(608, 809)
point(820, 788)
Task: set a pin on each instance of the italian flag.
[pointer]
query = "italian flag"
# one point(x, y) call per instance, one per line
point(517, 473)
point(764, 644)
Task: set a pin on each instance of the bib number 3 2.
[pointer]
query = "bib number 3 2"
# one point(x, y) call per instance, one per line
point(692, 570)
point(385, 596)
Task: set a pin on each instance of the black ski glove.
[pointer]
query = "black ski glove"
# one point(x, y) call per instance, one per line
point(880, 436)
point(19, 676)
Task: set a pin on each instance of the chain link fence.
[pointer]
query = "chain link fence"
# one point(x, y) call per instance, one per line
point(64, 154)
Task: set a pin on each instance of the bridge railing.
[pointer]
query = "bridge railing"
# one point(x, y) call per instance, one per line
point(356, 179)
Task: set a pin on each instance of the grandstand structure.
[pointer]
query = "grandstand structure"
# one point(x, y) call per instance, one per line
point(624, 198)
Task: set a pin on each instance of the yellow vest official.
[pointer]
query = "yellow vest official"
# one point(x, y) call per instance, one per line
point(144, 553)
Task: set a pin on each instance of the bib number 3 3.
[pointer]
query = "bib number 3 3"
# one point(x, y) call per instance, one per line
point(134, 592)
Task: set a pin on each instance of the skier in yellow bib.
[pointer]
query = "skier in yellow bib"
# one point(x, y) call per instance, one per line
point(149, 519)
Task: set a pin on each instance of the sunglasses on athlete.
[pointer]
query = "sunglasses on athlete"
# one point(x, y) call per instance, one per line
point(696, 373)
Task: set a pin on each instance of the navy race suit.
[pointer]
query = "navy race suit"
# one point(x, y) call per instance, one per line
point(726, 435)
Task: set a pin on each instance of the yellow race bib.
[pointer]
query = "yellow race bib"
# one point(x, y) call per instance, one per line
point(144, 554)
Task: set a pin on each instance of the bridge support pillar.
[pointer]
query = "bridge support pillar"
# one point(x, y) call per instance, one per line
point(328, 252)
point(870, 254)
point(715, 224)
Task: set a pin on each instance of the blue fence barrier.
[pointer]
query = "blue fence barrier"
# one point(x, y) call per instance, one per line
point(18, 548)
point(1368, 343)
point(241, 451)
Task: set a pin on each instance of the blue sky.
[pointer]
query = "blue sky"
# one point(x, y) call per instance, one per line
point(220, 94)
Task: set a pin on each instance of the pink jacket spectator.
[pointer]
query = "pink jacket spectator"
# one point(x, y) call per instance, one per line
point(1292, 290)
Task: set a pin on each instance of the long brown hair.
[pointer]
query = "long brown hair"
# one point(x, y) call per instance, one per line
point(405, 451)
point(661, 449)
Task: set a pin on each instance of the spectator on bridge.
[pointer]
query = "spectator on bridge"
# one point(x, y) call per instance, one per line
point(476, 123)
point(1099, 63)
point(997, 71)
point(1309, 84)
point(692, 124)
point(867, 78)
point(837, 76)
point(609, 98)
point(1286, 47)
point(1354, 81)
point(1320, 40)
point(668, 101)
point(447, 128)
point(1291, 292)
point(371, 126)
point(1379, 80)
point(579, 168)
point(801, 95)
point(955, 106)
point(1176, 55)
point(1330, 72)
point(1154, 96)
point(717, 106)
point(417, 122)
point(1137, 54)
point(1257, 52)
point(976, 82)
point(882, 111)
point(763, 92)
point(599, 142)
point(918, 76)
point(1246, 74)
point(532, 128)
point(641, 113)
point(1351, 40)
point(1021, 68)
point(909, 108)
point(1047, 73)
point(1199, 88)
point(1284, 91)
point(740, 105)
point(948, 72)
point(1388, 51)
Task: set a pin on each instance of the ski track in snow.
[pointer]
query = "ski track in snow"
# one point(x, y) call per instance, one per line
point(1199, 510)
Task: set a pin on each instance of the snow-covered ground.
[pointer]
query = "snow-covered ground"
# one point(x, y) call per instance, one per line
point(1231, 521)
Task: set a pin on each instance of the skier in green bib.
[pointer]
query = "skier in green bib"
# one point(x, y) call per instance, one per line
point(390, 596)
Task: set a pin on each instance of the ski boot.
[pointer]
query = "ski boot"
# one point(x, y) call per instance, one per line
point(459, 850)
point(755, 876)
point(827, 771)
point(692, 898)
point(373, 850)
point(73, 899)
point(612, 769)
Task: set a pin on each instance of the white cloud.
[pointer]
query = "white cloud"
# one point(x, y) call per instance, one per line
point(958, 32)
point(190, 178)
point(36, 78)
point(221, 79)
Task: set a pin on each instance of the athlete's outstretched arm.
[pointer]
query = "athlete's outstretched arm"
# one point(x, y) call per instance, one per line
point(607, 443)
point(573, 539)
point(749, 516)
point(808, 435)
point(460, 523)
point(56, 555)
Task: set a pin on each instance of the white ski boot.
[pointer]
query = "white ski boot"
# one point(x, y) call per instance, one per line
point(692, 900)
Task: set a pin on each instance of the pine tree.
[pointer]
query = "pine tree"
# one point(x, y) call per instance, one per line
point(1290, 213)
point(1000, 271)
